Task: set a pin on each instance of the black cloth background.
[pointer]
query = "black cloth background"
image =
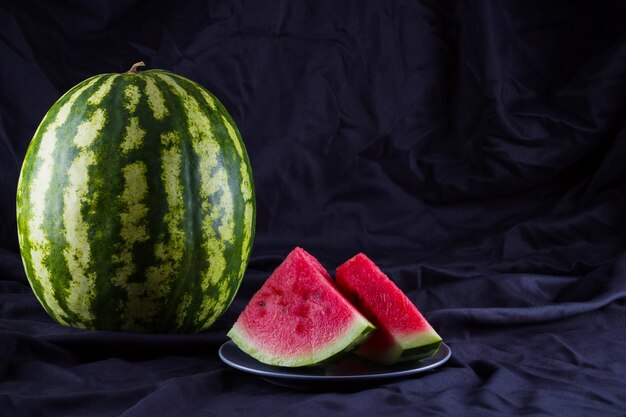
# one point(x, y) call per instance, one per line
point(476, 150)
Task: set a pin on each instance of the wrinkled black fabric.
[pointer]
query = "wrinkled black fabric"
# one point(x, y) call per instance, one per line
point(476, 150)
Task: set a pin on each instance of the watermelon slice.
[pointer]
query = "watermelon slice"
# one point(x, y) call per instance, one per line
point(298, 317)
point(402, 332)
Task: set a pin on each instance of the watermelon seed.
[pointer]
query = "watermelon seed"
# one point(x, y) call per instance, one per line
point(261, 303)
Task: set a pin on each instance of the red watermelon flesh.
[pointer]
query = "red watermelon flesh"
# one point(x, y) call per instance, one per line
point(402, 332)
point(298, 317)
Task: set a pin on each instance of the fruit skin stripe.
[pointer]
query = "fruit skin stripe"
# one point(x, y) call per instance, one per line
point(40, 218)
point(124, 221)
point(122, 235)
point(78, 203)
point(220, 210)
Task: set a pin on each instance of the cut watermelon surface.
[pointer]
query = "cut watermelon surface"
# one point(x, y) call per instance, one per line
point(402, 332)
point(298, 317)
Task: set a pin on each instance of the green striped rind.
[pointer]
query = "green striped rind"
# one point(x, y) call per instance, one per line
point(412, 346)
point(344, 342)
point(421, 352)
point(136, 205)
point(419, 344)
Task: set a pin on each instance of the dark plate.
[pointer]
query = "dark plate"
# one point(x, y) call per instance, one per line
point(340, 373)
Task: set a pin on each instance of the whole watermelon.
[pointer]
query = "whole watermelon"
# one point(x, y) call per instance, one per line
point(136, 206)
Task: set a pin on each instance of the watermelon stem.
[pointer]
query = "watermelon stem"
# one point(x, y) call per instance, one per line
point(133, 69)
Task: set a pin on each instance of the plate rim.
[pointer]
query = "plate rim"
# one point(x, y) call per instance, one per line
point(327, 378)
